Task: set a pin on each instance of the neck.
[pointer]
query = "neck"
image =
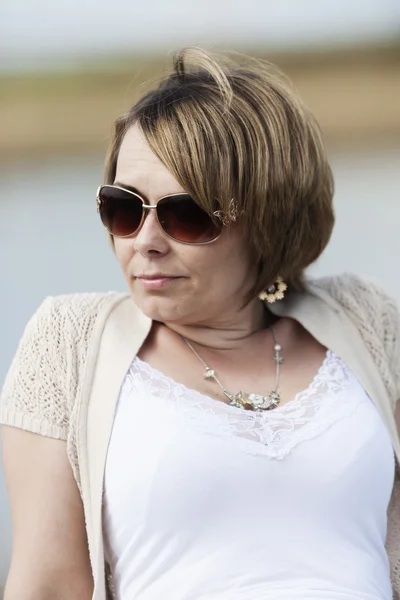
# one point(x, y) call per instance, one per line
point(229, 330)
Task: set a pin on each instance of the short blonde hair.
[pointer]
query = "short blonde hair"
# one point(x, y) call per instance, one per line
point(236, 129)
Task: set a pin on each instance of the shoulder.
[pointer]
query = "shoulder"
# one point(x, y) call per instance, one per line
point(66, 322)
point(362, 299)
point(75, 308)
point(63, 326)
point(349, 288)
point(375, 314)
point(41, 385)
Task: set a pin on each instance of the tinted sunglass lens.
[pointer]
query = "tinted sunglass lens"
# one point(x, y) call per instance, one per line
point(120, 211)
point(182, 219)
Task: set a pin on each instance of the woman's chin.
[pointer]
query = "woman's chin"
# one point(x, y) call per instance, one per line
point(158, 308)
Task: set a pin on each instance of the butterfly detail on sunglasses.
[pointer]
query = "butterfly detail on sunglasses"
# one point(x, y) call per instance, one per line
point(231, 216)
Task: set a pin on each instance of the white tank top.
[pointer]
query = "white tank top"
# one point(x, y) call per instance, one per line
point(205, 501)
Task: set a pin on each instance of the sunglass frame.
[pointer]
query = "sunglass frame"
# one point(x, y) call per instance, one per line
point(147, 207)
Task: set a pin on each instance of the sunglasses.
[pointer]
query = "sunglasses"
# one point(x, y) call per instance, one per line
point(123, 212)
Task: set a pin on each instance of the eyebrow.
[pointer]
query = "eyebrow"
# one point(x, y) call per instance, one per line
point(131, 188)
point(135, 190)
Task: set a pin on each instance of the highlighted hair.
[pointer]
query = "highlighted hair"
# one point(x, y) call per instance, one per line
point(237, 137)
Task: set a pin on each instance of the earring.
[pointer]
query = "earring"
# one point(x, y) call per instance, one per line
point(274, 292)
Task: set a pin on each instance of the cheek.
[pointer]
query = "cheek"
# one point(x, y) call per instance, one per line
point(226, 265)
point(123, 251)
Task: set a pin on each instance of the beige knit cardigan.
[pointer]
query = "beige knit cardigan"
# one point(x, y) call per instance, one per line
point(65, 378)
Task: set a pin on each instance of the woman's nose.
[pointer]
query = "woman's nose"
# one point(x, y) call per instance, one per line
point(151, 238)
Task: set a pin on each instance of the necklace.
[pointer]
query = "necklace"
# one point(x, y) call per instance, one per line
point(251, 401)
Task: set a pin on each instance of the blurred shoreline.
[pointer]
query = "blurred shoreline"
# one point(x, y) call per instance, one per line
point(354, 94)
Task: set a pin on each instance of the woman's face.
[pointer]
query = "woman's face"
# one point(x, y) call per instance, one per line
point(170, 281)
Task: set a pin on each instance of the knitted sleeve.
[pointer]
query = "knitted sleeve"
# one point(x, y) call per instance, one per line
point(376, 316)
point(34, 396)
point(391, 324)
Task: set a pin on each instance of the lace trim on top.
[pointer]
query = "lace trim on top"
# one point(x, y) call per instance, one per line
point(334, 394)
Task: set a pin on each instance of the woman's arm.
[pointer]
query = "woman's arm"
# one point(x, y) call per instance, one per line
point(50, 558)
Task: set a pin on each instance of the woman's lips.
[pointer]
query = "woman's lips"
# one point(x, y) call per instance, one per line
point(155, 282)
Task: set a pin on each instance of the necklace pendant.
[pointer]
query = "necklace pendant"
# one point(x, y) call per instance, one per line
point(262, 403)
point(255, 402)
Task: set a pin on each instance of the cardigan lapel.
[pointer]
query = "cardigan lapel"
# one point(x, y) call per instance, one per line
point(124, 332)
point(328, 323)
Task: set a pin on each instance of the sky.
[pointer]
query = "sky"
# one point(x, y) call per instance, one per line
point(40, 32)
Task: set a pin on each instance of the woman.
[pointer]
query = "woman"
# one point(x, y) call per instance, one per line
point(229, 433)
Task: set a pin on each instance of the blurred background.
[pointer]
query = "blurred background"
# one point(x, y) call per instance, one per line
point(68, 69)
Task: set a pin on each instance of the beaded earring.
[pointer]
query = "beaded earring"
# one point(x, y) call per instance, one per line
point(274, 292)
